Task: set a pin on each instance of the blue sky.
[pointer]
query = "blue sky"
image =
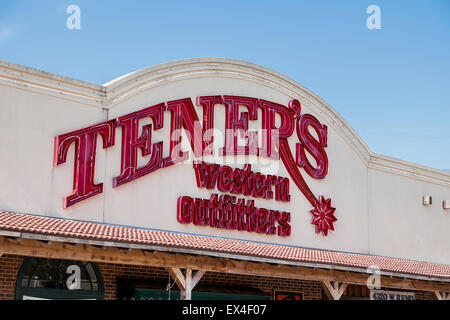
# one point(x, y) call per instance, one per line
point(392, 85)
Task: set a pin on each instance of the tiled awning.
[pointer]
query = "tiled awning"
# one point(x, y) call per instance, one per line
point(16, 222)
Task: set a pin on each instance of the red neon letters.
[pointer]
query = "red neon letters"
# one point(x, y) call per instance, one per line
point(131, 142)
point(236, 123)
point(225, 212)
point(184, 117)
point(315, 148)
point(241, 181)
point(85, 146)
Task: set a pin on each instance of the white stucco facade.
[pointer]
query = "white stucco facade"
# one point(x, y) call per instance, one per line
point(378, 200)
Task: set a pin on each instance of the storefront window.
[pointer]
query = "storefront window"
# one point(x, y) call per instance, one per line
point(59, 279)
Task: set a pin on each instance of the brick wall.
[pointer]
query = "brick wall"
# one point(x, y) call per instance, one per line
point(312, 290)
point(9, 269)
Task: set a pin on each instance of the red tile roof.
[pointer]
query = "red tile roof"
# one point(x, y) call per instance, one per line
point(96, 231)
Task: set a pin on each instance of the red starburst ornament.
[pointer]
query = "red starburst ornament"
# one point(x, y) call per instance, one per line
point(323, 216)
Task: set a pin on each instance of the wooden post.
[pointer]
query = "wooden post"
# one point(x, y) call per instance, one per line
point(186, 281)
point(334, 289)
point(442, 295)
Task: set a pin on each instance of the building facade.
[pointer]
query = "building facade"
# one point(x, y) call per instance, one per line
point(206, 179)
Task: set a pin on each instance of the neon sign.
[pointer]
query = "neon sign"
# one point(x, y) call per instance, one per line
point(200, 135)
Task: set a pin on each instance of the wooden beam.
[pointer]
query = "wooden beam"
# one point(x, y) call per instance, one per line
point(84, 252)
point(442, 295)
point(185, 281)
point(334, 289)
point(178, 276)
point(197, 276)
